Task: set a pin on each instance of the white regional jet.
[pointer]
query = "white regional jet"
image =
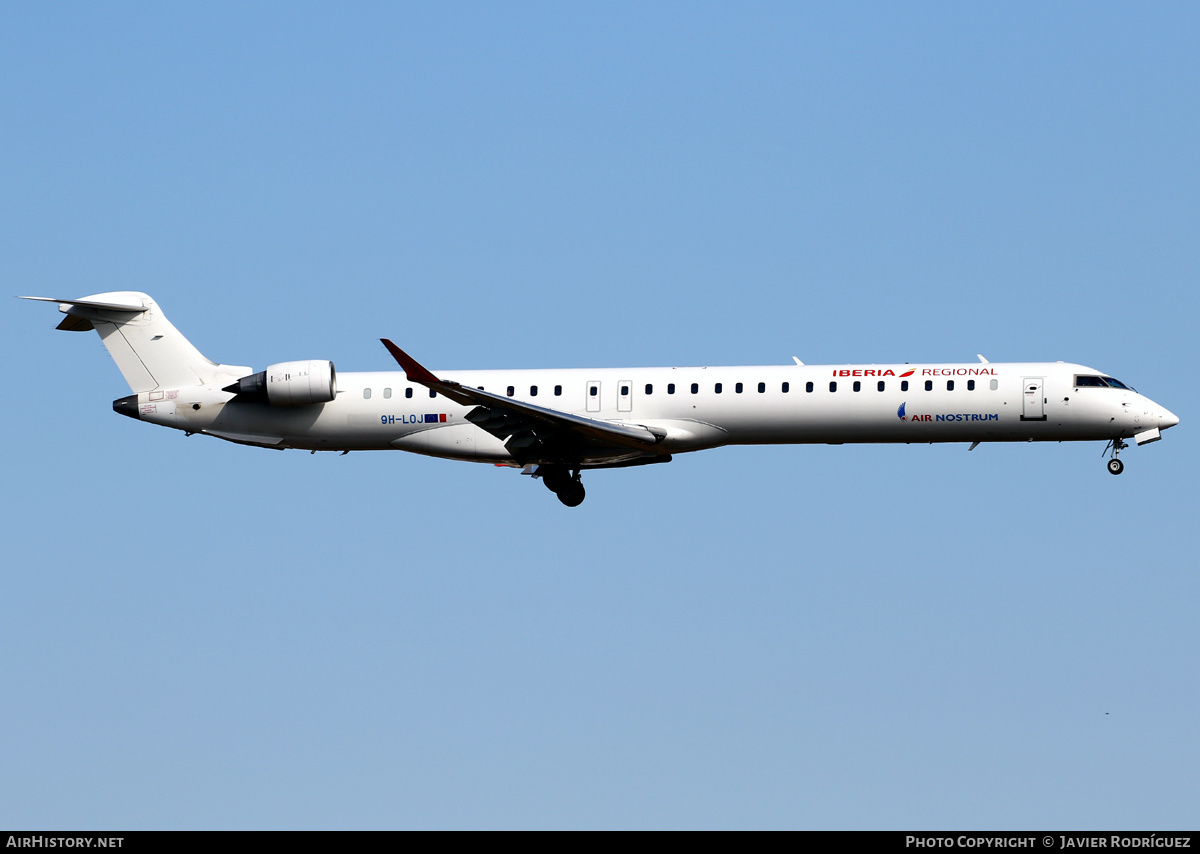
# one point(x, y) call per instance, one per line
point(556, 423)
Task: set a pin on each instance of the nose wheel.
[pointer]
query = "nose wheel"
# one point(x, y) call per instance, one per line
point(1115, 466)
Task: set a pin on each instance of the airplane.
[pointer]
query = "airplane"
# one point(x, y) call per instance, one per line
point(554, 424)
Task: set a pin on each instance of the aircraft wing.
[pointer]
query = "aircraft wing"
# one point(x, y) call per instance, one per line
point(525, 427)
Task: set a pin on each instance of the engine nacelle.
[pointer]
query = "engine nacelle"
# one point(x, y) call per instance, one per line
point(290, 384)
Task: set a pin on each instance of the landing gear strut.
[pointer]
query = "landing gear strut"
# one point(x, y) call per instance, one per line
point(564, 483)
point(1115, 466)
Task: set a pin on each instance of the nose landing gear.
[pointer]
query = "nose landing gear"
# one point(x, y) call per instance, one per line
point(564, 483)
point(1115, 466)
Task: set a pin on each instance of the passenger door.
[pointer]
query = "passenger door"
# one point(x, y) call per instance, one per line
point(624, 396)
point(1033, 399)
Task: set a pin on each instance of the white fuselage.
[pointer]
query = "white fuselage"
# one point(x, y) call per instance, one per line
point(696, 408)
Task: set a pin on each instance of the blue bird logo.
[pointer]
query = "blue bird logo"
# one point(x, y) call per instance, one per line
point(900, 412)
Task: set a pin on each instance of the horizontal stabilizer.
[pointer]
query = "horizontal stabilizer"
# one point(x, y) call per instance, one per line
point(85, 303)
point(74, 323)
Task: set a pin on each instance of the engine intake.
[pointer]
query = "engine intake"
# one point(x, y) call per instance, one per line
point(290, 384)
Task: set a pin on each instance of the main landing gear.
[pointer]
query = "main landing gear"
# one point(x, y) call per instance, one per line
point(564, 483)
point(1115, 466)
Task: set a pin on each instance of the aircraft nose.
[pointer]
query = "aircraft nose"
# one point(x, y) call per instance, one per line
point(1166, 419)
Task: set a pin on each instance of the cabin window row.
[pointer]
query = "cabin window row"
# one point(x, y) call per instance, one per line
point(881, 385)
point(648, 389)
point(387, 393)
point(718, 388)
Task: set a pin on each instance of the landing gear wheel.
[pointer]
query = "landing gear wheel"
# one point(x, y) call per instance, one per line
point(572, 494)
point(1115, 466)
point(556, 478)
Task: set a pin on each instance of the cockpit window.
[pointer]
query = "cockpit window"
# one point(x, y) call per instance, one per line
point(1082, 381)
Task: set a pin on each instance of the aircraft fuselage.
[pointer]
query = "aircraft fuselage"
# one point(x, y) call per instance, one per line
point(697, 407)
point(556, 423)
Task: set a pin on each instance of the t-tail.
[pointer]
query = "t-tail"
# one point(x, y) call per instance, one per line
point(149, 351)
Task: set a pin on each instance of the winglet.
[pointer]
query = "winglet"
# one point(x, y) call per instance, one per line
point(985, 361)
point(415, 370)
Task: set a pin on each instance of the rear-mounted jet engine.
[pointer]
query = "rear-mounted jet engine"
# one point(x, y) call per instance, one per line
point(290, 384)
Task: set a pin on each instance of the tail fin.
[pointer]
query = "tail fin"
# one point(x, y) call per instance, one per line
point(149, 351)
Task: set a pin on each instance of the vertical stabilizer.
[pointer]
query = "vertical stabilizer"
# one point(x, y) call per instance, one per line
point(149, 351)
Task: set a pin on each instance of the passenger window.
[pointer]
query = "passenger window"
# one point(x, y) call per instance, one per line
point(970, 385)
point(387, 393)
point(994, 384)
point(511, 391)
point(879, 385)
point(533, 391)
point(857, 385)
point(808, 387)
point(738, 388)
point(695, 388)
point(366, 394)
point(670, 388)
point(558, 391)
point(432, 393)
point(949, 385)
point(928, 385)
point(833, 386)
point(762, 387)
point(717, 388)
point(408, 392)
point(785, 388)
point(649, 388)
point(903, 385)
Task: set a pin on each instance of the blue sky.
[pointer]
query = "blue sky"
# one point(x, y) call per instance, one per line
point(202, 635)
